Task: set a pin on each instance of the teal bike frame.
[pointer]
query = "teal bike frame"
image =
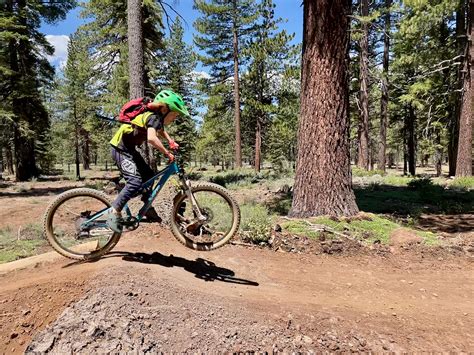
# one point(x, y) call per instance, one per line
point(163, 177)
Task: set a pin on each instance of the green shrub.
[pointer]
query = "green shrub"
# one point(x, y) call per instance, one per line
point(427, 191)
point(463, 183)
point(396, 180)
point(421, 183)
point(256, 223)
point(356, 171)
point(231, 177)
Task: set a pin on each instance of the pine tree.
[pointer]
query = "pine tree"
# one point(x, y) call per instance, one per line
point(323, 178)
point(270, 54)
point(78, 91)
point(176, 73)
point(381, 161)
point(108, 46)
point(24, 71)
point(464, 156)
point(216, 139)
point(282, 135)
point(363, 151)
point(424, 76)
point(224, 26)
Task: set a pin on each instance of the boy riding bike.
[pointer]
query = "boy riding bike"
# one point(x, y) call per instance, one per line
point(148, 126)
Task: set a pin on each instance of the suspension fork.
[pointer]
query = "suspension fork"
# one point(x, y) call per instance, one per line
point(188, 190)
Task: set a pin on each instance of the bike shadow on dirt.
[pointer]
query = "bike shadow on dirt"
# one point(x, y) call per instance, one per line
point(201, 268)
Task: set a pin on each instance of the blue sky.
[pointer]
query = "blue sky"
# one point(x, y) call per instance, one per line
point(58, 34)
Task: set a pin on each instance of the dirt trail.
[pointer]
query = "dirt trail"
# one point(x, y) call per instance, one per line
point(153, 294)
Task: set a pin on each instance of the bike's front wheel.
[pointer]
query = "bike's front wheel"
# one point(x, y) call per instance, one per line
point(75, 224)
point(221, 217)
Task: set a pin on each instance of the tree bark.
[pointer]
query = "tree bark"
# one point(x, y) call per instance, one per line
point(9, 160)
point(25, 162)
point(76, 144)
point(323, 176)
point(258, 145)
point(438, 154)
point(238, 144)
point(464, 156)
point(453, 125)
point(363, 156)
point(381, 161)
point(136, 61)
point(85, 151)
point(411, 141)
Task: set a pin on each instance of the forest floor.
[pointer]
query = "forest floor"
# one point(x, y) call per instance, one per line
point(398, 277)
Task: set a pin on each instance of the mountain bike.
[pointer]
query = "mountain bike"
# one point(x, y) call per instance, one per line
point(204, 216)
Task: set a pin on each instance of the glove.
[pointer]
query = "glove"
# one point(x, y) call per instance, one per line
point(170, 157)
point(173, 145)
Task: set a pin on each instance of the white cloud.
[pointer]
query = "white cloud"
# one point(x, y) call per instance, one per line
point(59, 42)
point(196, 75)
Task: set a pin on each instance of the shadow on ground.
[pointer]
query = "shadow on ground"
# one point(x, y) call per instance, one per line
point(401, 201)
point(461, 223)
point(36, 191)
point(201, 268)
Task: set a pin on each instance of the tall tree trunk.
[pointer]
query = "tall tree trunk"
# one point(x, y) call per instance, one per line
point(9, 160)
point(438, 153)
point(453, 126)
point(258, 144)
point(25, 162)
point(405, 143)
point(323, 176)
point(136, 62)
point(238, 144)
point(76, 143)
point(363, 156)
point(381, 161)
point(411, 141)
point(86, 155)
point(464, 156)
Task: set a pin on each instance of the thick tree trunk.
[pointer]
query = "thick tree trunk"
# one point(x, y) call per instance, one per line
point(363, 156)
point(464, 156)
point(323, 176)
point(136, 62)
point(238, 144)
point(391, 160)
point(411, 141)
point(384, 99)
point(25, 167)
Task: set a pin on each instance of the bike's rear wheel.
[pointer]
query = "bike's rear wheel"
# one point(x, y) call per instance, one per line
point(222, 217)
point(64, 225)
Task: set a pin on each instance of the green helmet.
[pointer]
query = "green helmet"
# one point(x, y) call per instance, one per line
point(173, 100)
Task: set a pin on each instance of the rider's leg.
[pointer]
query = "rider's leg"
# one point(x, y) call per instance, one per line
point(127, 165)
point(146, 173)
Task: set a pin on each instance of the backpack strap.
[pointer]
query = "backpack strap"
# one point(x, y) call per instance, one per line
point(140, 120)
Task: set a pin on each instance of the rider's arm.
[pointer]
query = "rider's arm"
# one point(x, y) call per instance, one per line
point(163, 134)
point(155, 141)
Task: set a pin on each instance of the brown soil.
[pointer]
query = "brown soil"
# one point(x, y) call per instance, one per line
point(152, 294)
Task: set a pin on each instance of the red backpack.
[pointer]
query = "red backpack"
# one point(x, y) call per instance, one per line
point(132, 109)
